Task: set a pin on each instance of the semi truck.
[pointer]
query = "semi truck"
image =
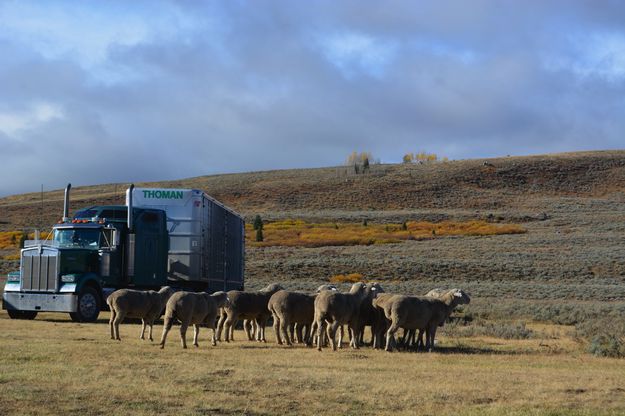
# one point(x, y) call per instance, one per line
point(176, 237)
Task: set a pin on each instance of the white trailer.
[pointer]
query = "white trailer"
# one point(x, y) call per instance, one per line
point(206, 238)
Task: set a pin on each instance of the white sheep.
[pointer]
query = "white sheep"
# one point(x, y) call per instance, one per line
point(192, 308)
point(146, 305)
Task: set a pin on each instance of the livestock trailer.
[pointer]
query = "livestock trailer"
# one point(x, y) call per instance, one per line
point(206, 238)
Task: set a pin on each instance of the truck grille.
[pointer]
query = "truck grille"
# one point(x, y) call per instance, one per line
point(40, 269)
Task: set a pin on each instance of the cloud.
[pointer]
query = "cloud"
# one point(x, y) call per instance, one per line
point(119, 92)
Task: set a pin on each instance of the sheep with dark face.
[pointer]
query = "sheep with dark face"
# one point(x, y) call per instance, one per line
point(191, 308)
point(247, 305)
point(335, 309)
point(146, 305)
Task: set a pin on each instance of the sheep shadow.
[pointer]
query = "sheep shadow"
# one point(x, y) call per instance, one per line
point(468, 350)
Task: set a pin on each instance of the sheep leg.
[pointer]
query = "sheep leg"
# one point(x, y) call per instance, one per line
point(313, 340)
point(150, 334)
point(420, 339)
point(166, 327)
point(260, 325)
point(214, 337)
point(111, 319)
point(306, 334)
point(284, 327)
point(246, 328)
point(292, 332)
point(390, 337)
point(196, 332)
point(354, 336)
point(341, 334)
point(332, 333)
point(220, 325)
point(118, 320)
point(276, 328)
point(142, 329)
point(227, 325)
point(183, 333)
point(430, 337)
point(321, 329)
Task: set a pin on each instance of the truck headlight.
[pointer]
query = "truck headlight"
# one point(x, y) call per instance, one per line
point(68, 278)
point(13, 277)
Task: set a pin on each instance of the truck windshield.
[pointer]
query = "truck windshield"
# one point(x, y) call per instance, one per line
point(71, 237)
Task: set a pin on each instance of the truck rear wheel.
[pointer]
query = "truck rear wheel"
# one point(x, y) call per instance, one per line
point(14, 314)
point(88, 306)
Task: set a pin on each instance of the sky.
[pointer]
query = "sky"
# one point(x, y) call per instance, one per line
point(125, 91)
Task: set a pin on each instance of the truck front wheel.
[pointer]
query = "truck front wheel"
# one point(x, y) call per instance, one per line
point(88, 306)
point(14, 314)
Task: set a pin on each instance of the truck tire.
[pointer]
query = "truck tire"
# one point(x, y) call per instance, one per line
point(88, 306)
point(14, 314)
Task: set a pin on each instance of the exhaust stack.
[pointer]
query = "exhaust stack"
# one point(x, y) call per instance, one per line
point(66, 202)
point(129, 199)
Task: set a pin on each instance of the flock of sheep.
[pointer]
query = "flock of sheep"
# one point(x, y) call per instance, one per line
point(314, 318)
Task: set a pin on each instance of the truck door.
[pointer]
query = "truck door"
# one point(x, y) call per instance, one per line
point(150, 249)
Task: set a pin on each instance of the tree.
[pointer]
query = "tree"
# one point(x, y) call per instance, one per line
point(23, 238)
point(259, 235)
point(360, 161)
point(258, 223)
point(408, 158)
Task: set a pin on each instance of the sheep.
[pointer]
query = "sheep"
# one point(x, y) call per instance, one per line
point(192, 308)
point(339, 309)
point(247, 305)
point(147, 305)
point(439, 294)
point(442, 307)
point(380, 303)
point(408, 312)
point(294, 310)
point(367, 314)
point(290, 308)
point(423, 313)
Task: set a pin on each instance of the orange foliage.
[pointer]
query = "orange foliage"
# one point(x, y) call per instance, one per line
point(10, 239)
point(298, 233)
point(346, 278)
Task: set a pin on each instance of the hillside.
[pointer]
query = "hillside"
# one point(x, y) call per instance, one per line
point(512, 186)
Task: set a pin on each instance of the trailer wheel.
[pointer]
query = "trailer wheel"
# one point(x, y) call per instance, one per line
point(88, 306)
point(14, 314)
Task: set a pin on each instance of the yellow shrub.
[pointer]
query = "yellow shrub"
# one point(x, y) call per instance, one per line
point(297, 233)
point(346, 278)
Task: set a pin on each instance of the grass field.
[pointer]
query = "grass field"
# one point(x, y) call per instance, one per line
point(54, 366)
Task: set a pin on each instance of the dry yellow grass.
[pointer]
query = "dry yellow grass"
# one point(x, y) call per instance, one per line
point(298, 233)
point(54, 366)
